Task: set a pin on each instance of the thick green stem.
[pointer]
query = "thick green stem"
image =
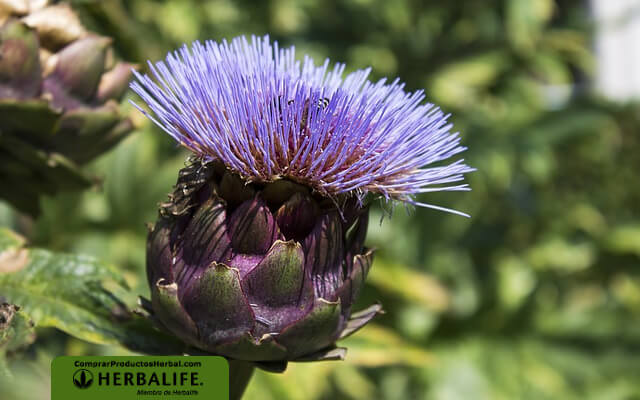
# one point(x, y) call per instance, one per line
point(240, 373)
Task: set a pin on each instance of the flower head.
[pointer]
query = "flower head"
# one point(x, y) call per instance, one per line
point(267, 116)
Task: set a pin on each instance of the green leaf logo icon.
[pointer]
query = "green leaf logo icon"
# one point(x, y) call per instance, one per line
point(83, 378)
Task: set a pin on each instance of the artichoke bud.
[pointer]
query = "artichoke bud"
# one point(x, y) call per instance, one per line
point(114, 84)
point(58, 26)
point(12, 7)
point(80, 67)
point(19, 65)
point(58, 91)
point(256, 271)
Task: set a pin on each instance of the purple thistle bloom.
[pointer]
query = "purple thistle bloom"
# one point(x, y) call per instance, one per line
point(259, 253)
point(267, 116)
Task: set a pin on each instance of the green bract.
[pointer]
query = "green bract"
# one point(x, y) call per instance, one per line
point(59, 89)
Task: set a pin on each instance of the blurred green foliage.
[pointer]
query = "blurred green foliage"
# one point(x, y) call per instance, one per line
point(537, 296)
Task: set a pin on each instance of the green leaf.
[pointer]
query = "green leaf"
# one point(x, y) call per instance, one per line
point(34, 120)
point(77, 294)
point(461, 82)
point(10, 240)
point(16, 328)
point(369, 348)
point(525, 21)
point(481, 367)
point(624, 239)
point(16, 332)
point(28, 172)
point(409, 284)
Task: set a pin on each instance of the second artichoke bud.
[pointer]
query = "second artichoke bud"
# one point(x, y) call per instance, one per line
point(257, 272)
point(59, 93)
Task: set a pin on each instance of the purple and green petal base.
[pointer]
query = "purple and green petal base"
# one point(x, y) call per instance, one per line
point(263, 273)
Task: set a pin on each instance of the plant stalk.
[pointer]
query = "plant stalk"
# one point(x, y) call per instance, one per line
point(240, 373)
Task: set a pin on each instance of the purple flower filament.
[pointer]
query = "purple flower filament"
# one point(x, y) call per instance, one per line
point(268, 116)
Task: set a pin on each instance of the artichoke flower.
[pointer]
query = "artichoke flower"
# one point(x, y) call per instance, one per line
point(59, 92)
point(258, 255)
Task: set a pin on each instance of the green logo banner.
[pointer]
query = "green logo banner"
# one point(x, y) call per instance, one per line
point(140, 377)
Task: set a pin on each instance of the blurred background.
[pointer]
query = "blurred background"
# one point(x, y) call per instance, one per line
point(537, 296)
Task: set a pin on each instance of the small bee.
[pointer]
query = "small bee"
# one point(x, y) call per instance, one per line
point(322, 104)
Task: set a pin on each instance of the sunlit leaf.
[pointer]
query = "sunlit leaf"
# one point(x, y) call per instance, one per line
point(370, 348)
point(625, 239)
point(460, 83)
point(525, 21)
point(75, 294)
point(410, 284)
